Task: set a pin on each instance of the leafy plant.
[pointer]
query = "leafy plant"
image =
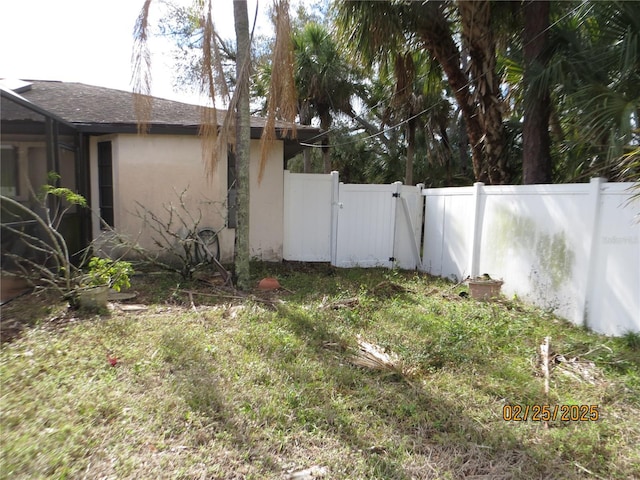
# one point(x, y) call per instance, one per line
point(632, 340)
point(43, 256)
point(104, 271)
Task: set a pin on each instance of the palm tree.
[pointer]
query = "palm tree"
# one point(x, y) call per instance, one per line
point(536, 160)
point(416, 99)
point(243, 142)
point(375, 27)
point(323, 81)
point(411, 81)
point(594, 67)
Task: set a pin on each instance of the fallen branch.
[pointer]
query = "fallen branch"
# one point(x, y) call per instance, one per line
point(338, 304)
point(588, 471)
point(453, 287)
point(215, 295)
point(309, 473)
point(580, 370)
point(224, 295)
point(193, 307)
point(388, 288)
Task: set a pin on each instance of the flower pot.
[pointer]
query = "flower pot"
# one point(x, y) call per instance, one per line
point(268, 283)
point(93, 299)
point(483, 289)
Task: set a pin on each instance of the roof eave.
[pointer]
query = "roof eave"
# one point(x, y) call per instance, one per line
point(304, 135)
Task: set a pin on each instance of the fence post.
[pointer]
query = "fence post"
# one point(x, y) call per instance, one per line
point(420, 239)
point(476, 228)
point(335, 199)
point(397, 195)
point(595, 190)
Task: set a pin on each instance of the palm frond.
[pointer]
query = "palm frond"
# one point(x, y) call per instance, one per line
point(282, 89)
point(209, 117)
point(141, 78)
point(374, 357)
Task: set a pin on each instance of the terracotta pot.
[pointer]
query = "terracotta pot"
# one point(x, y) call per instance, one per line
point(268, 283)
point(485, 289)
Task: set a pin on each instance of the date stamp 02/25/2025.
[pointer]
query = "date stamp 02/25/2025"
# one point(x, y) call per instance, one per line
point(547, 413)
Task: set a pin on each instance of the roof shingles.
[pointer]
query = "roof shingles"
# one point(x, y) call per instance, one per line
point(88, 104)
point(100, 109)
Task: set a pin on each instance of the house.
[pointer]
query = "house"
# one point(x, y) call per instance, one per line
point(89, 136)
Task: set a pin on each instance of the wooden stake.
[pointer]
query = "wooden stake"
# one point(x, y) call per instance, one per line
point(544, 352)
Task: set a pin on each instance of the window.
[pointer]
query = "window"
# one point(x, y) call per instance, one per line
point(9, 185)
point(105, 183)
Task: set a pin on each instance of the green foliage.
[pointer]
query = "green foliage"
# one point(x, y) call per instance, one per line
point(114, 273)
point(632, 340)
point(592, 74)
point(67, 194)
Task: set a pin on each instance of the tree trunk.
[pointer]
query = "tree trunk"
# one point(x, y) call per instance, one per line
point(437, 38)
point(478, 37)
point(370, 128)
point(325, 124)
point(411, 147)
point(305, 119)
point(243, 144)
point(326, 155)
point(536, 160)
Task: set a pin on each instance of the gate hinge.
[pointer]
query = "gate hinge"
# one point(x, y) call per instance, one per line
point(396, 195)
point(392, 259)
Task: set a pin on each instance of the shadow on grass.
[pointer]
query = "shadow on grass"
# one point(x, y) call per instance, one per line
point(393, 429)
point(410, 425)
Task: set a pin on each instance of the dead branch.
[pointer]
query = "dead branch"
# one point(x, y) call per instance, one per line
point(351, 302)
point(54, 267)
point(176, 237)
point(238, 296)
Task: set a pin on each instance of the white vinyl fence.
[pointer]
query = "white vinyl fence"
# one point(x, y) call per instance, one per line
point(573, 249)
point(351, 225)
point(309, 201)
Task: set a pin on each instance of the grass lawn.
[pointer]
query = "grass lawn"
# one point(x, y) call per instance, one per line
point(263, 387)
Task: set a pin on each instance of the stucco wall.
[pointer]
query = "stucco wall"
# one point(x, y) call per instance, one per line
point(153, 171)
point(266, 215)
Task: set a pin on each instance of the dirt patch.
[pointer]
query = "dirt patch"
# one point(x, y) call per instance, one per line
point(26, 310)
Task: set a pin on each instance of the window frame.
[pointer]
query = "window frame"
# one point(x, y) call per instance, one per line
point(105, 184)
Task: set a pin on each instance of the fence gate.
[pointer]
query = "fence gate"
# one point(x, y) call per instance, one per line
point(308, 216)
point(351, 225)
point(366, 225)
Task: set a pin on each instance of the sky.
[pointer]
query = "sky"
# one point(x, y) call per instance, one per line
point(91, 41)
